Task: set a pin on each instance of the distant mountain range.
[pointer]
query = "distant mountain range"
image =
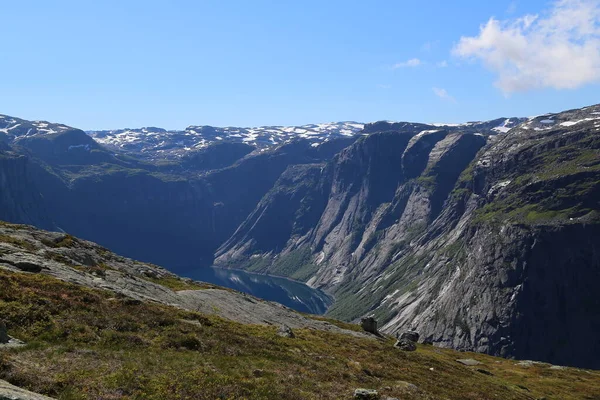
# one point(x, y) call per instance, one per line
point(151, 143)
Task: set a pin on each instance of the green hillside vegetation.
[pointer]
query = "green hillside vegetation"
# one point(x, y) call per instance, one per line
point(90, 344)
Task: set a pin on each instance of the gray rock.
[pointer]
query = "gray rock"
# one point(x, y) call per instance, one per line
point(410, 335)
point(286, 331)
point(406, 386)
point(366, 394)
point(11, 392)
point(469, 361)
point(406, 345)
point(525, 364)
point(369, 324)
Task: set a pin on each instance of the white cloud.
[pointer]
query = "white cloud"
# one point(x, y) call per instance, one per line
point(443, 94)
point(559, 50)
point(442, 64)
point(413, 62)
point(381, 86)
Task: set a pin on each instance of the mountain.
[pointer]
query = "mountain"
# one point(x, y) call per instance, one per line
point(174, 213)
point(480, 242)
point(157, 143)
point(480, 235)
point(78, 321)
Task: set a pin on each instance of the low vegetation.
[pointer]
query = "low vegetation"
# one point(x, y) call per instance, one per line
point(90, 344)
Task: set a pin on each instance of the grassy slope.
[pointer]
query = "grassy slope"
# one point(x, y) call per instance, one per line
point(87, 344)
point(559, 183)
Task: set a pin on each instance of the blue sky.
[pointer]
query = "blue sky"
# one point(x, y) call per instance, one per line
point(113, 64)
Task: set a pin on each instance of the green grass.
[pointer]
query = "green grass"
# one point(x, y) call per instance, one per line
point(67, 241)
point(557, 182)
point(296, 264)
point(89, 344)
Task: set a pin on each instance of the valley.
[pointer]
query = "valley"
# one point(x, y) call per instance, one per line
point(448, 229)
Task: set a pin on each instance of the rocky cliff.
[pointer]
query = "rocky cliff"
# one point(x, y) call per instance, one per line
point(479, 242)
point(170, 213)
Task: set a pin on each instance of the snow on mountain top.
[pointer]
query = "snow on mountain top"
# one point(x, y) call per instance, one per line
point(16, 128)
point(566, 119)
point(152, 142)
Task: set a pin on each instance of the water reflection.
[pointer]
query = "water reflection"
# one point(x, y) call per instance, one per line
point(290, 293)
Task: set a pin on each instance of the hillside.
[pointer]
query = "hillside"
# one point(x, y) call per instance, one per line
point(97, 325)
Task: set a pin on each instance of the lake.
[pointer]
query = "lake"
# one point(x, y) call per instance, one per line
point(293, 294)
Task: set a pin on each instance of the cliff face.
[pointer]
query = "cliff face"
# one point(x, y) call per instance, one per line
point(370, 198)
point(20, 199)
point(175, 215)
point(479, 243)
point(508, 266)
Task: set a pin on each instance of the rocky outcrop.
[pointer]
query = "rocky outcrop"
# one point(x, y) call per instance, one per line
point(11, 392)
point(410, 335)
point(286, 331)
point(406, 345)
point(366, 394)
point(369, 324)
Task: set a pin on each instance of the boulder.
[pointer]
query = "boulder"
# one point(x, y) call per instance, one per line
point(369, 324)
point(406, 345)
point(406, 386)
point(286, 331)
point(366, 394)
point(410, 335)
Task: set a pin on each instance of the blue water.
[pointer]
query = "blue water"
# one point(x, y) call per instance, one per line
point(292, 294)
